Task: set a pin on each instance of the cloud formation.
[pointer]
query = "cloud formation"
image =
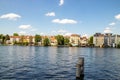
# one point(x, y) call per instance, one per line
point(50, 14)
point(10, 16)
point(64, 21)
point(117, 17)
point(112, 24)
point(107, 30)
point(25, 27)
point(61, 2)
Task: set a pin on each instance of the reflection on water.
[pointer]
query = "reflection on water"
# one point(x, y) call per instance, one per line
point(58, 63)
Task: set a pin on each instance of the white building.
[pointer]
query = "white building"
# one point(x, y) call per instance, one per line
point(75, 40)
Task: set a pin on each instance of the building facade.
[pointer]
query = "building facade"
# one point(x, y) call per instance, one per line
point(98, 39)
point(106, 40)
point(75, 40)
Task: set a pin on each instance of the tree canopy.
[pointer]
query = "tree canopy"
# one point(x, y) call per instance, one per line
point(60, 39)
point(46, 42)
point(66, 41)
point(37, 38)
point(15, 34)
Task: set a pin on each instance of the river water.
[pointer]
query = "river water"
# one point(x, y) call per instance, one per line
point(58, 63)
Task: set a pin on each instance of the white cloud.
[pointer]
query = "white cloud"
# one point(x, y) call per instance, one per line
point(107, 30)
point(61, 2)
point(50, 14)
point(117, 17)
point(22, 32)
point(25, 26)
point(112, 24)
point(10, 16)
point(64, 21)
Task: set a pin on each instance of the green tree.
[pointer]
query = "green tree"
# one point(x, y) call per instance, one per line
point(118, 45)
point(1, 35)
point(46, 42)
point(7, 37)
point(37, 38)
point(15, 34)
point(90, 41)
point(60, 39)
point(3, 39)
point(66, 41)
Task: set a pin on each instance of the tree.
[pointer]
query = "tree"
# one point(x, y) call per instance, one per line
point(3, 39)
point(37, 38)
point(66, 41)
point(1, 35)
point(118, 45)
point(46, 42)
point(7, 37)
point(15, 34)
point(90, 42)
point(60, 39)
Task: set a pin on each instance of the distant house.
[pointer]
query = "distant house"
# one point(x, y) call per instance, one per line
point(14, 39)
point(98, 39)
point(53, 40)
point(75, 40)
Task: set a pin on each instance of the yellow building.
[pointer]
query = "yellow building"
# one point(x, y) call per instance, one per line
point(98, 39)
point(75, 40)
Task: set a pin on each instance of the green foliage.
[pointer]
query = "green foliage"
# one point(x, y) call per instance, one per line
point(37, 38)
point(66, 41)
point(118, 46)
point(7, 37)
point(15, 34)
point(60, 39)
point(1, 35)
point(90, 40)
point(3, 39)
point(46, 42)
point(15, 43)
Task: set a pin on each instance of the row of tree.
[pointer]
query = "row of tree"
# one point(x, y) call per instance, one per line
point(38, 39)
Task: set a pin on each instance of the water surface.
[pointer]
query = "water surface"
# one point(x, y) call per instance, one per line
point(58, 63)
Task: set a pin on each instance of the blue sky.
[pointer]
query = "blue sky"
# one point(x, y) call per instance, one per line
point(50, 17)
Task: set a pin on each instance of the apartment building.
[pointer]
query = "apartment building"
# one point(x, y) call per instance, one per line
point(107, 39)
point(98, 39)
